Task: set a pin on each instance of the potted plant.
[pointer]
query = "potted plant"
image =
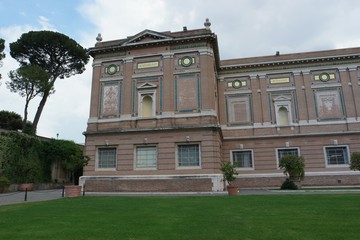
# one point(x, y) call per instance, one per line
point(229, 171)
point(293, 167)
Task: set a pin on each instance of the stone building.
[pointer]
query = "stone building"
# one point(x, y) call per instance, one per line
point(166, 110)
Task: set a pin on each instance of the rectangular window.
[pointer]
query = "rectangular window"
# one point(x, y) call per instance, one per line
point(146, 157)
point(188, 155)
point(107, 158)
point(243, 159)
point(337, 155)
point(281, 152)
point(287, 151)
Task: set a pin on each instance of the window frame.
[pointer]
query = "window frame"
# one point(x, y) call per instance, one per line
point(136, 167)
point(337, 165)
point(177, 155)
point(243, 150)
point(286, 148)
point(97, 160)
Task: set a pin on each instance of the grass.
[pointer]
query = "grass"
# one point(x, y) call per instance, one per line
point(200, 217)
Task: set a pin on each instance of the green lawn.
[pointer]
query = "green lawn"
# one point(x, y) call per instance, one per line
point(202, 217)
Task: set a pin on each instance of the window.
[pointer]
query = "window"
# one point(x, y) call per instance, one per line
point(337, 155)
point(281, 152)
point(188, 155)
point(243, 159)
point(146, 157)
point(106, 158)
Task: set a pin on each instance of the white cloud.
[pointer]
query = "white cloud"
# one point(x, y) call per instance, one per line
point(245, 28)
point(45, 24)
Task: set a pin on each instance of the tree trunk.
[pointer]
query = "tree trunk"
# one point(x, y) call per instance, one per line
point(25, 115)
point(39, 111)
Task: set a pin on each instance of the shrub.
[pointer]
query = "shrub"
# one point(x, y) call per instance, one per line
point(293, 166)
point(4, 183)
point(229, 172)
point(289, 185)
point(355, 161)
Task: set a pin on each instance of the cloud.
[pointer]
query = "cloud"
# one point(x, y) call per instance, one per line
point(245, 28)
point(45, 24)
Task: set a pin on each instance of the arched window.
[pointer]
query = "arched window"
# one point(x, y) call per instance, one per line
point(147, 106)
point(283, 114)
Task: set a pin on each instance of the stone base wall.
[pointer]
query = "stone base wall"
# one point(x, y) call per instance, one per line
point(309, 181)
point(206, 183)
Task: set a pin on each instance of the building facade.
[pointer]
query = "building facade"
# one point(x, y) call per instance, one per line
point(166, 110)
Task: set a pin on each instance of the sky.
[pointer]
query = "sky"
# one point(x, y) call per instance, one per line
point(245, 28)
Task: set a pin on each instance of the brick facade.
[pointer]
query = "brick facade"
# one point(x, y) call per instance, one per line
point(168, 94)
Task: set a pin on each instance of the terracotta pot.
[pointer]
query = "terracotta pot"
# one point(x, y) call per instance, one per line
point(72, 191)
point(232, 190)
point(26, 186)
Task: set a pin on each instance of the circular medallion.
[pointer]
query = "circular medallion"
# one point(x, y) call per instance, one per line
point(324, 77)
point(112, 69)
point(186, 61)
point(237, 84)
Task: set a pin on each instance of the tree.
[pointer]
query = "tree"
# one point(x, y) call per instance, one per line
point(29, 81)
point(10, 120)
point(229, 171)
point(2, 54)
point(355, 161)
point(294, 168)
point(56, 53)
point(68, 153)
point(13, 121)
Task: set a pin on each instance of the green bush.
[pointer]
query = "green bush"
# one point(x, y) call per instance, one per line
point(25, 158)
point(229, 171)
point(4, 183)
point(289, 185)
point(293, 166)
point(355, 161)
point(21, 161)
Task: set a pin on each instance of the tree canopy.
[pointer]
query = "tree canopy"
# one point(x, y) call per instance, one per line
point(10, 120)
point(69, 153)
point(57, 54)
point(13, 121)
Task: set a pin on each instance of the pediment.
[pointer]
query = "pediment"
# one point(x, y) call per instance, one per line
point(147, 86)
point(147, 36)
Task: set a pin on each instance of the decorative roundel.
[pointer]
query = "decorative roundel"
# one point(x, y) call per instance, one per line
point(237, 84)
point(186, 61)
point(112, 69)
point(324, 77)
